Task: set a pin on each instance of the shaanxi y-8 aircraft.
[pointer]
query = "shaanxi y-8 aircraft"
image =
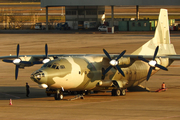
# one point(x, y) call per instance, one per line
point(115, 72)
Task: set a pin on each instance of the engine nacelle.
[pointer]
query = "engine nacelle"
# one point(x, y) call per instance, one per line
point(120, 83)
point(105, 83)
point(125, 61)
point(25, 58)
point(162, 61)
point(43, 86)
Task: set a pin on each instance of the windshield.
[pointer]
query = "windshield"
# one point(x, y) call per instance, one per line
point(53, 65)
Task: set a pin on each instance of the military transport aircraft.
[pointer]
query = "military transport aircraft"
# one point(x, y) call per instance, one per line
point(116, 72)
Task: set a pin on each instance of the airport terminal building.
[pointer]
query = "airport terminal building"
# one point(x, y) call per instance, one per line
point(88, 13)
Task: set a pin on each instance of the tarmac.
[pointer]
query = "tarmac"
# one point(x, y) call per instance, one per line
point(101, 106)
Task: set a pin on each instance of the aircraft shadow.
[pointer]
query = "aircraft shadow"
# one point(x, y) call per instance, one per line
point(19, 92)
point(9, 92)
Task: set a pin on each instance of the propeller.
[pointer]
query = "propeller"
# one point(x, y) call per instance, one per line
point(46, 53)
point(114, 62)
point(46, 59)
point(17, 62)
point(152, 63)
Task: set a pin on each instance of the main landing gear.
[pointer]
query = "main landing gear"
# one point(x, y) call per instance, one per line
point(58, 95)
point(118, 92)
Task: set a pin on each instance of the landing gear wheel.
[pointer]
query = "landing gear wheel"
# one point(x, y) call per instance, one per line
point(113, 92)
point(116, 92)
point(123, 92)
point(61, 96)
point(88, 92)
point(48, 94)
point(58, 96)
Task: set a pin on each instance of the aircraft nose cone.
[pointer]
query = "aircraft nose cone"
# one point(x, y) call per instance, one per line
point(39, 76)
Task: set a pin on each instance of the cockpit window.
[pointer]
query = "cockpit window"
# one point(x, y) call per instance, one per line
point(49, 65)
point(57, 67)
point(62, 66)
point(54, 66)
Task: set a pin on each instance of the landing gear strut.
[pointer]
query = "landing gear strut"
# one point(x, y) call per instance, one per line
point(118, 92)
point(59, 95)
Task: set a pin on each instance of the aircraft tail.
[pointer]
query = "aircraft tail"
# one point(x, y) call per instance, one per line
point(161, 39)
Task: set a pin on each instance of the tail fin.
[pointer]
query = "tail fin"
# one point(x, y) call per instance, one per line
point(161, 39)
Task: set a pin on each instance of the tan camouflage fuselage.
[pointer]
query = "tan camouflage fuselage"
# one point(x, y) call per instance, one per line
point(85, 73)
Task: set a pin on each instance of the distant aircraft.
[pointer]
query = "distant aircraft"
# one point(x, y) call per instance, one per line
point(116, 72)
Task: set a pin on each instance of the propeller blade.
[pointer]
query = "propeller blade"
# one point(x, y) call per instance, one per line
point(143, 59)
point(17, 51)
point(155, 53)
point(107, 54)
point(17, 61)
point(161, 67)
point(149, 73)
point(8, 61)
point(152, 63)
point(113, 62)
point(119, 69)
point(107, 70)
point(16, 72)
point(120, 55)
point(46, 51)
point(46, 54)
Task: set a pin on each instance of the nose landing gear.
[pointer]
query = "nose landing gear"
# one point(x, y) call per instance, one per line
point(59, 95)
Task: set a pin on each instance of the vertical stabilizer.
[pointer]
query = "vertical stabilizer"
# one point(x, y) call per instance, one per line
point(161, 38)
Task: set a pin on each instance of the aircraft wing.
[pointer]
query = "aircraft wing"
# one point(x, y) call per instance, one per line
point(113, 56)
point(173, 57)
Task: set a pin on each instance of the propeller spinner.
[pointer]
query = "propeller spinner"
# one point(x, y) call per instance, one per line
point(152, 63)
point(114, 62)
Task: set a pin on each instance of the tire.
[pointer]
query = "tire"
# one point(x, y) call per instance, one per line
point(123, 92)
point(61, 96)
point(113, 92)
point(88, 92)
point(116, 92)
point(58, 96)
point(48, 94)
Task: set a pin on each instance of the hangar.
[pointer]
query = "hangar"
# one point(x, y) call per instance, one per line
point(91, 11)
